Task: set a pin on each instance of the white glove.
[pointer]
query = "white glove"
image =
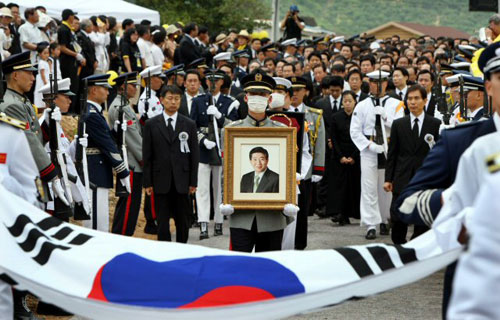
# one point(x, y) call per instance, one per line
point(380, 111)
point(79, 57)
point(59, 191)
point(84, 142)
point(315, 178)
point(377, 148)
point(298, 176)
point(226, 209)
point(126, 183)
point(290, 210)
point(122, 125)
point(56, 114)
point(213, 111)
point(209, 144)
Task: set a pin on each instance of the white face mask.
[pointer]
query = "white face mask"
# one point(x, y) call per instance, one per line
point(278, 100)
point(257, 104)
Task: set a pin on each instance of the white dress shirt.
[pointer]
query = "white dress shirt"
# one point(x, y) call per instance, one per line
point(145, 49)
point(189, 100)
point(403, 92)
point(420, 121)
point(173, 117)
point(332, 102)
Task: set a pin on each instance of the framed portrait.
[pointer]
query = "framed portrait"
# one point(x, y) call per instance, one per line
point(259, 167)
point(291, 119)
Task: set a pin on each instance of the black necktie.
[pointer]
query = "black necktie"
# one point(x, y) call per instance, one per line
point(296, 109)
point(334, 105)
point(414, 130)
point(401, 95)
point(170, 128)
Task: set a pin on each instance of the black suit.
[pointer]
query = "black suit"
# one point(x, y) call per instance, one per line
point(322, 193)
point(88, 52)
point(406, 155)
point(234, 91)
point(270, 182)
point(344, 186)
point(188, 51)
point(362, 96)
point(170, 172)
point(183, 109)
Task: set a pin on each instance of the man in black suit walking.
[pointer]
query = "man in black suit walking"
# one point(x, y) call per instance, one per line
point(188, 49)
point(262, 179)
point(171, 154)
point(426, 79)
point(411, 139)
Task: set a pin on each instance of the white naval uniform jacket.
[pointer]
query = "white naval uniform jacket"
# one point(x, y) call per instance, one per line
point(363, 122)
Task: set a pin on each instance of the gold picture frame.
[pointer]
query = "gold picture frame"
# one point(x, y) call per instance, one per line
point(280, 144)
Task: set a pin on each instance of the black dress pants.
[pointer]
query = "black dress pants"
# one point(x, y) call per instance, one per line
point(304, 205)
point(245, 240)
point(127, 208)
point(172, 205)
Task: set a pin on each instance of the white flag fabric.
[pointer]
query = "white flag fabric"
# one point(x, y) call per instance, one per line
point(102, 276)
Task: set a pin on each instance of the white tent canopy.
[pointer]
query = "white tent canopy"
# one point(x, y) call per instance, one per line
point(87, 8)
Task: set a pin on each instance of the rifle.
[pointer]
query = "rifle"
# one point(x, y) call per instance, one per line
point(463, 99)
point(442, 105)
point(81, 157)
point(213, 128)
point(57, 157)
point(380, 134)
point(120, 190)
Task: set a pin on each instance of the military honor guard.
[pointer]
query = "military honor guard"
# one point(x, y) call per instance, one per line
point(62, 101)
point(149, 106)
point(121, 112)
point(171, 155)
point(211, 111)
point(370, 129)
point(316, 134)
point(102, 153)
point(261, 230)
point(18, 71)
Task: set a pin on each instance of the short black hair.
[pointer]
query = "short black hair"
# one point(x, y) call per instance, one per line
point(173, 89)
point(193, 71)
point(426, 72)
point(325, 83)
point(269, 59)
point(402, 70)
point(258, 150)
point(12, 5)
point(202, 29)
point(355, 71)
point(319, 65)
point(290, 64)
point(337, 68)
point(111, 22)
point(126, 23)
point(145, 22)
point(29, 12)
point(336, 81)
point(423, 58)
point(417, 87)
point(189, 27)
point(142, 29)
point(367, 57)
point(351, 93)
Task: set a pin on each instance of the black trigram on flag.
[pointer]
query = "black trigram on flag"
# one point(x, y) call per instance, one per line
point(40, 232)
point(381, 256)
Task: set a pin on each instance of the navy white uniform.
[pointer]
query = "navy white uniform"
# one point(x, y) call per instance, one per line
point(228, 107)
point(102, 157)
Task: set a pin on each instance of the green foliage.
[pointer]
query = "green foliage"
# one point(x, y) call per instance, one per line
point(217, 15)
point(349, 17)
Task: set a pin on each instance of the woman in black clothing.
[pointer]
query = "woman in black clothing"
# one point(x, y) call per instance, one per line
point(131, 56)
point(345, 192)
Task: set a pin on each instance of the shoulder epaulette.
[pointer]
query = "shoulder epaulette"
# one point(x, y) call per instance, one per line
point(493, 162)
point(316, 110)
point(230, 97)
point(12, 121)
point(234, 123)
point(465, 125)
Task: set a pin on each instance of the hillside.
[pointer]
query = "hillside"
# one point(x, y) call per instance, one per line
point(350, 17)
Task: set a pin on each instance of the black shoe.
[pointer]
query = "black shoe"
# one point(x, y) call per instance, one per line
point(384, 230)
point(218, 229)
point(343, 221)
point(203, 230)
point(150, 228)
point(371, 234)
point(336, 218)
point(195, 225)
point(321, 213)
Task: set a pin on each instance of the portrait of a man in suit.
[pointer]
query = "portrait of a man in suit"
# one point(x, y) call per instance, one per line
point(262, 179)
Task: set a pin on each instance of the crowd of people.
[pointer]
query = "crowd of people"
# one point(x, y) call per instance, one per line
point(382, 134)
